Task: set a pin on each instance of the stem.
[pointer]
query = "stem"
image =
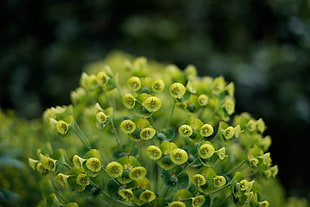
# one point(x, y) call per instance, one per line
point(172, 111)
point(221, 188)
point(190, 164)
point(81, 135)
point(111, 177)
point(235, 168)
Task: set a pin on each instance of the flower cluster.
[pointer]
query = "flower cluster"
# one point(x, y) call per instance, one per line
point(154, 136)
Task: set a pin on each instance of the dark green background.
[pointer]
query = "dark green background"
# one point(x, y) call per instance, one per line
point(261, 45)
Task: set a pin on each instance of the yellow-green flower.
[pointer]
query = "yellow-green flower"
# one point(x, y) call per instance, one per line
point(219, 181)
point(82, 179)
point(177, 90)
point(152, 104)
point(147, 196)
point(62, 127)
point(229, 105)
point(153, 152)
point(203, 100)
point(185, 130)
point(40, 168)
point(147, 133)
point(198, 201)
point(126, 194)
point(62, 179)
point(199, 180)
point(137, 173)
point(263, 204)
point(177, 204)
point(134, 83)
point(48, 163)
point(93, 164)
point(78, 161)
point(114, 169)
point(129, 101)
point(221, 153)
point(101, 117)
point(128, 126)
point(206, 151)
point(229, 132)
point(102, 78)
point(158, 85)
point(178, 156)
point(206, 130)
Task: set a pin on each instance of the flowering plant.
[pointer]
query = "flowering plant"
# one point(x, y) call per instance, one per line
point(147, 134)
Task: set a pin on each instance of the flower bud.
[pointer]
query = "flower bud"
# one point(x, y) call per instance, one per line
point(203, 100)
point(137, 173)
point(93, 164)
point(177, 90)
point(206, 151)
point(128, 126)
point(177, 204)
point(147, 133)
point(206, 130)
point(62, 127)
point(147, 196)
point(178, 156)
point(114, 169)
point(82, 179)
point(152, 104)
point(158, 85)
point(153, 152)
point(134, 83)
point(199, 180)
point(219, 181)
point(198, 201)
point(185, 130)
point(129, 101)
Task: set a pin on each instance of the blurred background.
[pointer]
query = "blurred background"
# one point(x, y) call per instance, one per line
point(263, 46)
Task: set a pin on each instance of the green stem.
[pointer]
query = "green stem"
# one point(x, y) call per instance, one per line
point(81, 135)
point(190, 164)
point(235, 168)
point(172, 111)
point(221, 188)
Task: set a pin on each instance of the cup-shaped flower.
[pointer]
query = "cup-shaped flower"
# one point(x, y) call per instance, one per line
point(263, 204)
point(229, 132)
point(260, 124)
point(101, 117)
point(249, 197)
point(147, 196)
point(238, 131)
point(129, 101)
point(266, 159)
point(153, 152)
point(134, 83)
point(185, 130)
point(33, 163)
point(78, 161)
point(198, 201)
point(203, 100)
point(72, 204)
point(199, 180)
point(147, 133)
point(137, 173)
point(221, 153)
point(158, 85)
point(178, 156)
point(229, 105)
point(152, 104)
point(219, 181)
point(62, 127)
point(62, 179)
point(251, 125)
point(206, 130)
point(253, 162)
point(114, 169)
point(128, 126)
point(82, 179)
point(177, 204)
point(93, 164)
point(177, 90)
point(245, 185)
point(102, 78)
point(206, 150)
point(126, 194)
point(47, 162)
point(40, 168)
